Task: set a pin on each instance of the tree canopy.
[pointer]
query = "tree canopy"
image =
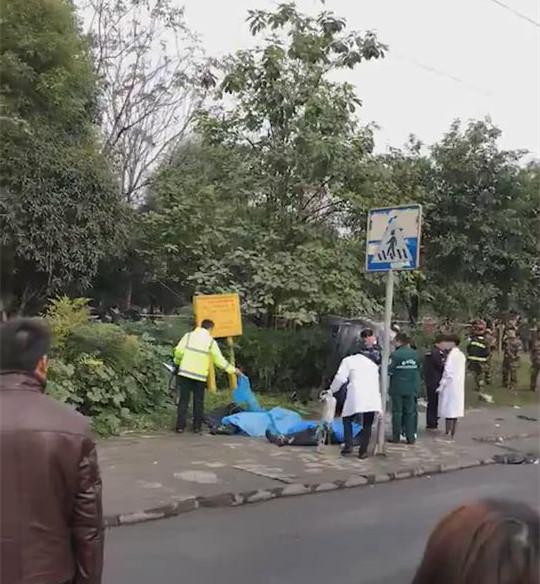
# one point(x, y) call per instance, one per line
point(134, 169)
point(60, 211)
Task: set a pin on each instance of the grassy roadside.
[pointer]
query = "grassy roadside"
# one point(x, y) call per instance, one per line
point(164, 419)
point(502, 397)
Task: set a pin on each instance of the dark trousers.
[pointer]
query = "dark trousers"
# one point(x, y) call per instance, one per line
point(403, 417)
point(188, 387)
point(432, 418)
point(365, 433)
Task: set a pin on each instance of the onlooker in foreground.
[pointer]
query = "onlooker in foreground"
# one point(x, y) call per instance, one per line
point(404, 371)
point(433, 370)
point(192, 356)
point(363, 397)
point(451, 389)
point(51, 520)
point(486, 542)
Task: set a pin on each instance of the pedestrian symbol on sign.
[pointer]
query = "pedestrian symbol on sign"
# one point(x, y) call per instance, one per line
point(393, 247)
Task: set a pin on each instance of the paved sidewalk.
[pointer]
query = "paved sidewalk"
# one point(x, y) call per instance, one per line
point(169, 473)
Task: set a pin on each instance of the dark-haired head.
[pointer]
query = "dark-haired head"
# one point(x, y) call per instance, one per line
point(368, 339)
point(207, 324)
point(439, 339)
point(24, 345)
point(452, 338)
point(486, 542)
point(402, 339)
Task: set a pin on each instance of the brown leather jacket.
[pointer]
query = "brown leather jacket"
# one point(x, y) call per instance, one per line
point(51, 521)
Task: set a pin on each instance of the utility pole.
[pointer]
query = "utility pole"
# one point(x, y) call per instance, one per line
point(392, 244)
point(381, 429)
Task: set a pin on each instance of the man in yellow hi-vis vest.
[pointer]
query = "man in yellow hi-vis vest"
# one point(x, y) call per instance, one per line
point(192, 357)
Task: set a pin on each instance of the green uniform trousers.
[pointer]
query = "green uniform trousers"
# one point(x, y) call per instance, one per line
point(403, 417)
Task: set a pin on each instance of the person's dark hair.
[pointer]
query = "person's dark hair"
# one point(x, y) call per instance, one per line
point(366, 333)
point(452, 338)
point(402, 339)
point(486, 542)
point(440, 338)
point(23, 342)
point(207, 324)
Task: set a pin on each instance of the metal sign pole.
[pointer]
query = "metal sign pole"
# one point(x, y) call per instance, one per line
point(381, 430)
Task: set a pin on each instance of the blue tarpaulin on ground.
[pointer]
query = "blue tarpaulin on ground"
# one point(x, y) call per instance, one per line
point(244, 394)
point(256, 421)
point(277, 420)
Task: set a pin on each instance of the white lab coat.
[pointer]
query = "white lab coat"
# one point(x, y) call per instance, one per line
point(451, 389)
point(362, 378)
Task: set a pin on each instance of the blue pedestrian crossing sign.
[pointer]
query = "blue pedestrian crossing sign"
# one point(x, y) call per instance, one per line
point(393, 238)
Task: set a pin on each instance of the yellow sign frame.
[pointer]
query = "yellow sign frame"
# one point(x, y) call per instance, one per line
point(223, 310)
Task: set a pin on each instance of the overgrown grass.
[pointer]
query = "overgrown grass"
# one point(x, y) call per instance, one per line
point(522, 397)
point(267, 401)
point(164, 419)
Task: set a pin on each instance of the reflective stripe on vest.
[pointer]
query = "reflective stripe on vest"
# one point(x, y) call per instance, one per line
point(479, 359)
point(187, 373)
point(477, 344)
point(188, 348)
point(195, 361)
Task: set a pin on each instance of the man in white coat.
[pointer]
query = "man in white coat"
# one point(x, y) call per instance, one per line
point(361, 375)
point(451, 389)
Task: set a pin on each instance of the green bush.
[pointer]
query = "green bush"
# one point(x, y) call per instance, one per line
point(421, 339)
point(105, 373)
point(276, 360)
point(114, 373)
point(165, 331)
point(64, 315)
point(283, 360)
point(107, 341)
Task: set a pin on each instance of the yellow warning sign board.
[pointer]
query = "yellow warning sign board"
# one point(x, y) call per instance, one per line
point(223, 309)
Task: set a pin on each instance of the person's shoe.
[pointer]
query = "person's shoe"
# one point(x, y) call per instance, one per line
point(179, 430)
point(392, 441)
point(347, 451)
point(272, 438)
point(276, 439)
point(362, 454)
point(198, 431)
point(411, 442)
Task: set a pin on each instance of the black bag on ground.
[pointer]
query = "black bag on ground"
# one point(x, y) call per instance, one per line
point(213, 418)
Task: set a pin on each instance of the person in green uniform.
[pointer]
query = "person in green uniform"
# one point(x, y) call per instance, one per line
point(404, 371)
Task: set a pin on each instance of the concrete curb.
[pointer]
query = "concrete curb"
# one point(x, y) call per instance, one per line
point(235, 499)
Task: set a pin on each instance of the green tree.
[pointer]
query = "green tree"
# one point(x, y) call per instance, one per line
point(265, 210)
point(60, 211)
point(153, 78)
point(297, 125)
point(480, 222)
point(481, 218)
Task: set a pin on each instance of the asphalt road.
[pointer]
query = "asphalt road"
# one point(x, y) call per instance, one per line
point(372, 535)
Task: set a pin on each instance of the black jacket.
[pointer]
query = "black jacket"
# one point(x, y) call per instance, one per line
point(433, 367)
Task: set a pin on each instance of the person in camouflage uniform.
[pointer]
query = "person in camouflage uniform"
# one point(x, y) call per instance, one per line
point(491, 342)
point(535, 359)
point(512, 349)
